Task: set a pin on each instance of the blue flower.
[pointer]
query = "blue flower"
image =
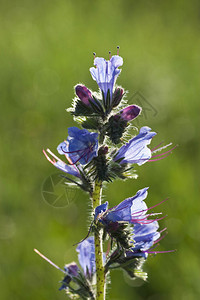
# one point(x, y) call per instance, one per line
point(145, 236)
point(81, 145)
point(86, 256)
point(61, 165)
point(106, 72)
point(136, 150)
point(130, 210)
point(100, 209)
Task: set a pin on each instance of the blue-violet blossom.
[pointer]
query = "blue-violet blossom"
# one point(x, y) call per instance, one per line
point(145, 236)
point(86, 256)
point(106, 73)
point(81, 145)
point(136, 150)
point(61, 165)
point(132, 210)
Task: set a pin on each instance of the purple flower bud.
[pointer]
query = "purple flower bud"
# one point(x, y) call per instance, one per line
point(83, 93)
point(72, 269)
point(117, 96)
point(130, 112)
point(103, 150)
point(81, 145)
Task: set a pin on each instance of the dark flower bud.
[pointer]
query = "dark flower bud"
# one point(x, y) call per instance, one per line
point(72, 269)
point(117, 96)
point(103, 150)
point(130, 112)
point(83, 93)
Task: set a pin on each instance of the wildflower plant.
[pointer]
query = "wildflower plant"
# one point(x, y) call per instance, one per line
point(93, 155)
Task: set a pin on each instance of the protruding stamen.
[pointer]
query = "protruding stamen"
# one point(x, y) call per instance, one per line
point(159, 158)
point(164, 229)
point(118, 50)
point(152, 150)
point(158, 203)
point(68, 158)
point(155, 252)
point(94, 54)
point(52, 154)
point(109, 54)
point(161, 154)
point(161, 238)
point(52, 161)
point(49, 261)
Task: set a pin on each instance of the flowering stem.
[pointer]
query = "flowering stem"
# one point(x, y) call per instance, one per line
point(100, 275)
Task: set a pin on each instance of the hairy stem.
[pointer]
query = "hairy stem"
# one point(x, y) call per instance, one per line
point(100, 275)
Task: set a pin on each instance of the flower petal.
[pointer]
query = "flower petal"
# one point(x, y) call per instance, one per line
point(86, 256)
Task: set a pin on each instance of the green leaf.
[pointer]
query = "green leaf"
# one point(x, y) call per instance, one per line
point(91, 123)
point(81, 109)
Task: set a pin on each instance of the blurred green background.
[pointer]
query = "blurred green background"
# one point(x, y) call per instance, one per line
point(45, 49)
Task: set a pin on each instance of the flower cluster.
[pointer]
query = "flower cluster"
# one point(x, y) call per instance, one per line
point(94, 155)
point(133, 211)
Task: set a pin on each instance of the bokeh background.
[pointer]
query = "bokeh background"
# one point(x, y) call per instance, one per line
point(45, 49)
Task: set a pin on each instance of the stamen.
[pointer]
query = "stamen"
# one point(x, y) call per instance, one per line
point(84, 154)
point(161, 154)
point(49, 159)
point(118, 208)
point(162, 237)
point(71, 152)
point(158, 203)
point(52, 154)
point(49, 261)
point(118, 50)
point(152, 150)
point(69, 159)
point(155, 252)
point(150, 160)
point(156, 149)
point(109, 54)
point(146, 221)
point(94, 54)
point(163, 230)
point(141, 211)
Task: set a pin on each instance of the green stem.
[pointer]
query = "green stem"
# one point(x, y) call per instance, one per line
point(100, 275)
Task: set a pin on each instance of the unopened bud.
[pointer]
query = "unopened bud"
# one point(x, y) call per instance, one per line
point(130, 112)
point(83, 93)
point(72, 269)
point(103, 150)
point(117, 96)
